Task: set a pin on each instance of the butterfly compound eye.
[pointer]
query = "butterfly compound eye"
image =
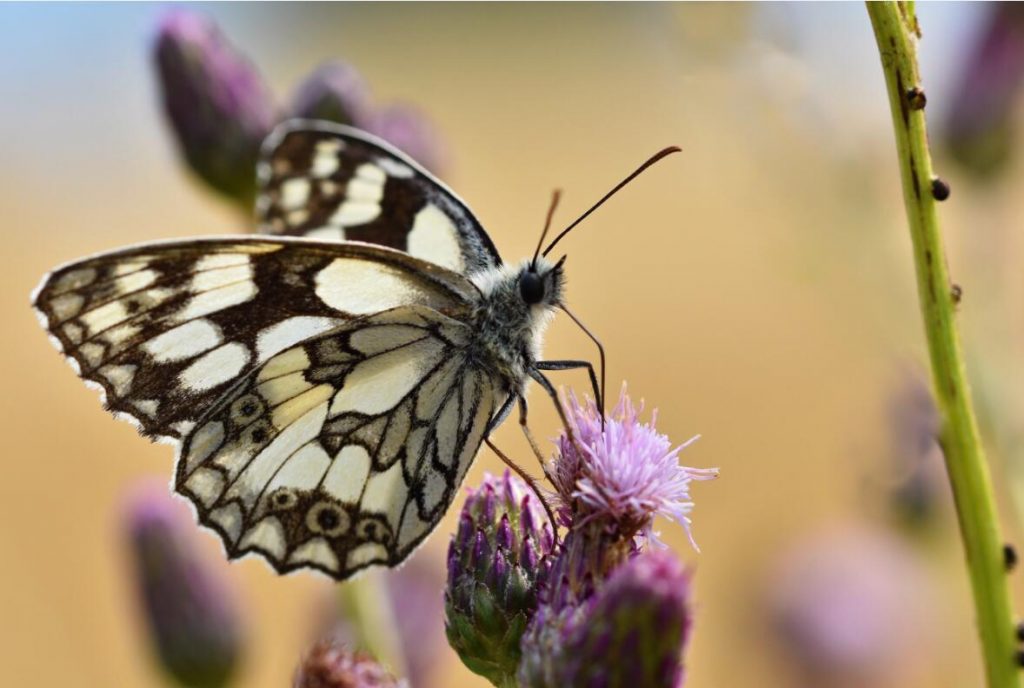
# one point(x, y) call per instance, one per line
point(531, 287)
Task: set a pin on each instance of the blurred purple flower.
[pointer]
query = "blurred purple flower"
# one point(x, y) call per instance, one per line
point(497, 560)
point(408, 129)
point(329, 664)
point(218, 106)
point(189, 610)
point(220, 109)
point(629, 475)
point(980, 129)
point(915, 453)
point(414, 591)
point(334, 91)
point(849, 607)
point(632, 633)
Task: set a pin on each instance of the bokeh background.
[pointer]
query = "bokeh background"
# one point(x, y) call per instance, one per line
point(757, 289)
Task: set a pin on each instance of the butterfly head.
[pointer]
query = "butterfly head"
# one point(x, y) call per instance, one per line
point(541, 282)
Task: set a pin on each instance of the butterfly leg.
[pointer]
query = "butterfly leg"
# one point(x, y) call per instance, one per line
point(529, 480)
point(576, 365)
point(501, 415)
point(544, 382)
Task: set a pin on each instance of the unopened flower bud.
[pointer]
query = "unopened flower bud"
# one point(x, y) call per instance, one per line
point(331, 665)
point(408, 129)
point(335, 92)
point(188, 610)
point(495, 564)
point(218, 106)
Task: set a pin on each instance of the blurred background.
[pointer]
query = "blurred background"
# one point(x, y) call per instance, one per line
point(757, 289)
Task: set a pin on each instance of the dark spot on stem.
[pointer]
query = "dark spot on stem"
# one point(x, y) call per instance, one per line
point(913, 177)
point(916, 98)
point(956, 293)
point(940, 189)
point(904, 110)
point(1009, 557)
point(1018, 657)
point(1020, 631)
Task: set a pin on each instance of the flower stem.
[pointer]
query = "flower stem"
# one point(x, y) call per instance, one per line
point(895, 27)
point(366, 602)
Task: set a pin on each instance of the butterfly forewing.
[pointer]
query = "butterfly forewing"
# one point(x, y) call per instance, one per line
point(165, 329)
point(331, 182)
point(343, 451)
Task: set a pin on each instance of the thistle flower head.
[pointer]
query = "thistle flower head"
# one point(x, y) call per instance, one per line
point(408, 129)
point(335, 91)
point(219, 108)
point(630, 633)
point(497, 560)
point(192, 618)
point(331, 665)
point(626, 474)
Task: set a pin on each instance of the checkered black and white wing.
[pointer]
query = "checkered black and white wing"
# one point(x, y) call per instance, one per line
point(327, 181)
point(343, 451)
point(166, 329)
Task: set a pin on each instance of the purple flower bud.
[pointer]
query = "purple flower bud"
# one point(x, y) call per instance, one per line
point(981, 126)
point(492, 585)
point(914, 452)
point(526, 523)
point(218, 106)
point(407, 129)
point(330, 665)
point(464, 535)
point(482, 553)
point(188, 608)
point(504, 537)
point(631, 633)
point(335, 92)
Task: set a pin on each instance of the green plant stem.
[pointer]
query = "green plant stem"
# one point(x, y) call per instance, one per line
point(367, 605)
point(895, 27)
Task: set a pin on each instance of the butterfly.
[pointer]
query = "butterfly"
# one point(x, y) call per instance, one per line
point(328, 382)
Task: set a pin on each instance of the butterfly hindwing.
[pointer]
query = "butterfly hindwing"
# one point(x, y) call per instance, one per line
point(333, 182)
point(343, 451)
point(166, 329)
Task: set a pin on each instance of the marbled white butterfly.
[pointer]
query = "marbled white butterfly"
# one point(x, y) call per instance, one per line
point(329, 383)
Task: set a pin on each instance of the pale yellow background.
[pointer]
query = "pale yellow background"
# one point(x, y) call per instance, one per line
point(757, 289)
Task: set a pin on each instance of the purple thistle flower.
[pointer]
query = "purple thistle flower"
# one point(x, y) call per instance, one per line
point(981, 126)
point(329, 664)
point(850, 606)
point(335, 91)
point(408, 129)
point(497, 560)
point(631, 633)
point(411, 590)
point(629, 472)
point(188, 609)
point(218, 106)
point(220, 109)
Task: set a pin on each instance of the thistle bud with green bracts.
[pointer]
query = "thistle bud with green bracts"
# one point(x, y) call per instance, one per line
point(329, 664)
point(218, 106)
point(630, 634)
point(191, 616)
point(497, 560)
point(336, 92)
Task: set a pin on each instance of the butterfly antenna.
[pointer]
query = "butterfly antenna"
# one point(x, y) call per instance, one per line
point(600, 353)
point(650, 161)
point(555, 196)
